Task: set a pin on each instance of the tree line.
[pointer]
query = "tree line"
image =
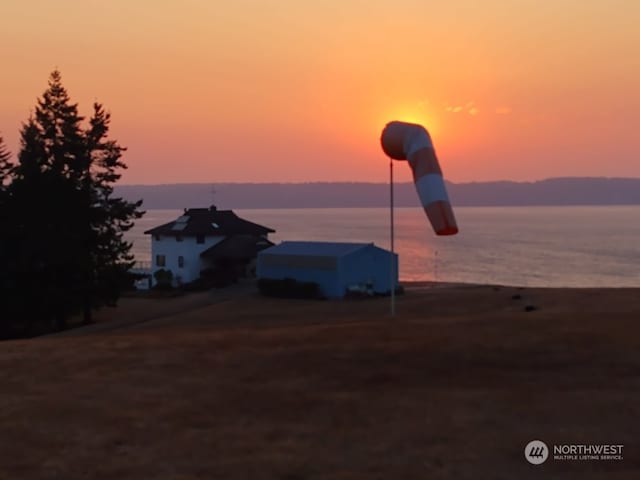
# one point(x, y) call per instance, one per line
point(62, 246)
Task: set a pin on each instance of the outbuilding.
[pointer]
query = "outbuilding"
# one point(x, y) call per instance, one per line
point(336, 267)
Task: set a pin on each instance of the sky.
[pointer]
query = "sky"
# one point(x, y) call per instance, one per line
point(298, 91)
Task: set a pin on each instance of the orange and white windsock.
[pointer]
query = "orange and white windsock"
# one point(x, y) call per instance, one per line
point(408, 141)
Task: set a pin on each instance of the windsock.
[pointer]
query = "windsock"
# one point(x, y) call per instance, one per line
point(408, 141)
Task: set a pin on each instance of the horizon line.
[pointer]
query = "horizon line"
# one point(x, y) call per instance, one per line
point(348, 182)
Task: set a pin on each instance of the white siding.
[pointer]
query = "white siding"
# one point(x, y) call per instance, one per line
point(187, 248)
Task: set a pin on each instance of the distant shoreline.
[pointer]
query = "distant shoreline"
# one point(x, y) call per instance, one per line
point(293, 207)
point(551, 192)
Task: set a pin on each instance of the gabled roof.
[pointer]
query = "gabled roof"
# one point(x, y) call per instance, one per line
point(209, 221)
point(237, 247)
point(320, 249)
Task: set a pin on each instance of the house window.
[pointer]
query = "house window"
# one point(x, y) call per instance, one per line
point(180, 261)
point(200, 239)
point(178, 238)
point(156, 238)
point(161, 260)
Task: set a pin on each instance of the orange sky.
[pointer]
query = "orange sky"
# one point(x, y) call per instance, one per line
point(289, 90)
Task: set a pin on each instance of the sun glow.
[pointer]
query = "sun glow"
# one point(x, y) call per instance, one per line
point(417, 112)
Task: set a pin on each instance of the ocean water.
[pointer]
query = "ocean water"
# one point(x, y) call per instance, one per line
point(582, 246)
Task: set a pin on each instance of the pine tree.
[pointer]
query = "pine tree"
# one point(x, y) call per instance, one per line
point(5, 178)
point(68, 228)
point(108, 217)
point(5, 164)
point(44, 198)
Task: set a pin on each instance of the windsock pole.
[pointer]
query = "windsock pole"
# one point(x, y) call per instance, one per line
point(393, 263)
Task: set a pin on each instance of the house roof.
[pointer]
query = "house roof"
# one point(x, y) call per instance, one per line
point(237, 247)
point(320, 249)
point(209, 221)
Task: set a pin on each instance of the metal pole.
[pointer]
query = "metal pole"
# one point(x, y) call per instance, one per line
point(393, 263)
point(435, 266)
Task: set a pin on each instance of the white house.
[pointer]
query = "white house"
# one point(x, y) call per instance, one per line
point(206, 239)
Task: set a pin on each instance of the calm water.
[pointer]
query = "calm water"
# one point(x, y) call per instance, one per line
point(529, 246)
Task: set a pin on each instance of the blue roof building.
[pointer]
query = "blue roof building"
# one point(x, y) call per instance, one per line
point(335, 267)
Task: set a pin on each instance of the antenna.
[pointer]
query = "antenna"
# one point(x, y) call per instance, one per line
point(212, 192)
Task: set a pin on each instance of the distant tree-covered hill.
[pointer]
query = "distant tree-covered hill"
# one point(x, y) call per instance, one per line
point(554, 191)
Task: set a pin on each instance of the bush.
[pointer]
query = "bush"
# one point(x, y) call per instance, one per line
point(399, 291)
point(288, 288)
point(164, 279)
point(217, 277)
point(198, 285)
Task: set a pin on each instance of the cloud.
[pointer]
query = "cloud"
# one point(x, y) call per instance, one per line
point(469, 107)
point(503, 110)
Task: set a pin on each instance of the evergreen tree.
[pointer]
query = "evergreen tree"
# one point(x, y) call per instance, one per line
point(44, 200)
point(68, 228)
point(108, 217)
point(5, 164)
point(5, 178)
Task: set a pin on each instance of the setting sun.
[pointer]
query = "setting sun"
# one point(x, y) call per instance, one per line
point(419, 112)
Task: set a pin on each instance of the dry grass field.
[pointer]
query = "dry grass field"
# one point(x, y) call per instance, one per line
point(230, 385)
